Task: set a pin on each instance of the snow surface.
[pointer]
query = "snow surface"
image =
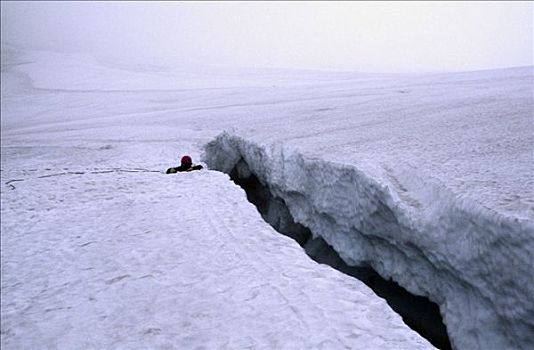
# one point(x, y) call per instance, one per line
point(100, 249)
point(117, 259)
point(185, 260)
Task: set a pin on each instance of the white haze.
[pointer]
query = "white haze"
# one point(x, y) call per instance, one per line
point(356, 36)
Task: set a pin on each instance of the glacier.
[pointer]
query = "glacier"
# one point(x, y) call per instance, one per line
point(102, 250)
point(427, 178)
point(474, 262)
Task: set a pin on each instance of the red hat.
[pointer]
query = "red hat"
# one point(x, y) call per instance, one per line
point(186, 160)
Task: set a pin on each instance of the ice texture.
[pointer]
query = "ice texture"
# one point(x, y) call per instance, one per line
point(476, 263)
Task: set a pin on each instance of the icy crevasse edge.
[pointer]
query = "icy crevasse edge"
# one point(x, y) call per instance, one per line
point(475, 263)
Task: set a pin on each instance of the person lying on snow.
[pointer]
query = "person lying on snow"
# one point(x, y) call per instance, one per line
point(187, 165)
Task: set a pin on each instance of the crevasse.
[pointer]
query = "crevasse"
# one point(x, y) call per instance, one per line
point(476, 264)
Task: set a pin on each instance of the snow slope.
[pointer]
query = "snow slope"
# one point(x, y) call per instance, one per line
point(100, 249)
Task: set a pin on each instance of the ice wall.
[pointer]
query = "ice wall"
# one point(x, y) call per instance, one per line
point(417, 312)
point(477, 264)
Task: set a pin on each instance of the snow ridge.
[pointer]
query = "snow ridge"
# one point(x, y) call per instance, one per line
point(472, 261)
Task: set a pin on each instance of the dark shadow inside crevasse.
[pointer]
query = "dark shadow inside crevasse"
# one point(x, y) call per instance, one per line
point(419, 313)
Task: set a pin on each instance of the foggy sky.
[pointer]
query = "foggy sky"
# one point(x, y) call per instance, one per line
point(357, 36)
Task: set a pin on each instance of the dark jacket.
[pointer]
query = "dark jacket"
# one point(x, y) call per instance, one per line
point(181, 168)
